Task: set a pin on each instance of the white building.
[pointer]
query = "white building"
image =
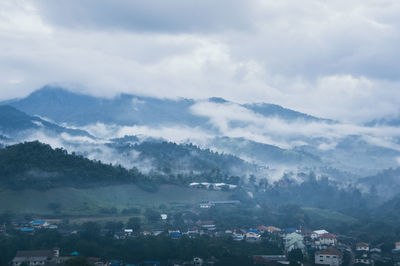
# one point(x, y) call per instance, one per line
point(328, 239)
point(362, 247)
point(251, 235)
point(317, 233)
point(238, 237)
point(294, 241)
point(197, 261)
point(330, 256)
point(35, 257)
point(128, 232)
point(363, 260)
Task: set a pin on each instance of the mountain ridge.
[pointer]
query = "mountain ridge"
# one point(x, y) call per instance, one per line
point(14, 121)
point(64, 106)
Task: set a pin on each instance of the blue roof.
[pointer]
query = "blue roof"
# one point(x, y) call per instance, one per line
point(175, 234)
point(253, 231)
point(38, 222)
point(151, 262)
point(27, 229)
point(75, 253)
point(291, 229)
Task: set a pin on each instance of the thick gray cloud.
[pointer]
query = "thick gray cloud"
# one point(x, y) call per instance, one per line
point(330, 59)
point(150, 15)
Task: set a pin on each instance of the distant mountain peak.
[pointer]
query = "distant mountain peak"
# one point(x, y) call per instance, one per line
point(217, 100)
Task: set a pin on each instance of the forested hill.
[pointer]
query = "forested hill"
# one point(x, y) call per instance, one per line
point(171, 158)
point(37, 165)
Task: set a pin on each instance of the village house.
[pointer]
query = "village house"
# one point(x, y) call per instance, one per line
point(362, 247)
point(317, 233)
point(205, 205)
point(294, 241)
point(328, 239)
point(193, 231)
point(175, 234)
point(238, 236)
point(36, 257)
point(39, 223)
point(197, 261)
point(396, 253)
point(362, 253)
point(252, 235)
point(128, 232)
point(375, 250)
point(262, 229)
point(27, 230)
point(271, 260)
point(330, 256)
point(273, 229)
point(209, 225)
point(363, 258)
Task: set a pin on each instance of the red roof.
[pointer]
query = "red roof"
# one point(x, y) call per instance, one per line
point(262, 228)
point(330, 251)
point(362, 244)
point(328, 236)
point(273, 228)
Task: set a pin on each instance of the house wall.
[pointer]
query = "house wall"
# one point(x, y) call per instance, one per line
point(31, 261)
point(364, 261)
point(327, 259)
point(328, 241)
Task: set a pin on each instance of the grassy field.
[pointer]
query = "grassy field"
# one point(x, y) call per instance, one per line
point(328, 216)
point(86, 202)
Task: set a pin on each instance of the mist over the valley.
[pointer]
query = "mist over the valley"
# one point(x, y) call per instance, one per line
point(270, 141)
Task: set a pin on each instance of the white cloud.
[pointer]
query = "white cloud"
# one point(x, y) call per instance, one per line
point(330, 59)
point(233, 121)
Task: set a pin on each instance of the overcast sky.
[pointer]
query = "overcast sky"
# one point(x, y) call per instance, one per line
point(335, 59)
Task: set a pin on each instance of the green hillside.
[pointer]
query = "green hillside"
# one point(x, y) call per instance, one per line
point(90, 201)
point(37, 165)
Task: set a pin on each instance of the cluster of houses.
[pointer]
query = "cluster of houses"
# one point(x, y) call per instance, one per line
point(324, 247)
point(210, 204)
point(212, 186)
point(37, 224)
point(53, 257)
point(40, 257)
point(367, 254)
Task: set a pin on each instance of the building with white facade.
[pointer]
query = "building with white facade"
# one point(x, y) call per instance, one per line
point(328, 239)
point(362, 247)
point(330, 256)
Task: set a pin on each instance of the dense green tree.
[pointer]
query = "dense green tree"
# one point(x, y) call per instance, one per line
point(296, 255)
point(134, 223)
point(78, 261)
point(90, 230)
